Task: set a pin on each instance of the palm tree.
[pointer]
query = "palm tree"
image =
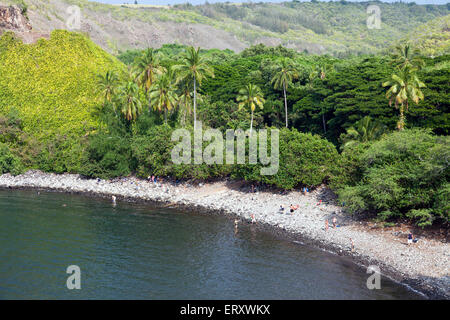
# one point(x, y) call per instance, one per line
point(128, 97)
point(196, 68)
point(406, 55)
point(251, 96)
point(107, 85)
point(185, 98)
point(364, 130)
point(322, 70)
point(404, 86)
point(162, 93)
point(147, 67)
point(286, 72)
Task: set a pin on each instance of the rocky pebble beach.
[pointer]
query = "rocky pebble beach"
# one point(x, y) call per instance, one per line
point(424, 266)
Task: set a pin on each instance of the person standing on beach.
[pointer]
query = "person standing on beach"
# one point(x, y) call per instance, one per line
point(253, 218)
point(352, 245)
point(334, 222)
point(326, 225)
point(410, 238)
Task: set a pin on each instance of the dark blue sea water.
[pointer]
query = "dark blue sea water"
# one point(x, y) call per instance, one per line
point(133, 251)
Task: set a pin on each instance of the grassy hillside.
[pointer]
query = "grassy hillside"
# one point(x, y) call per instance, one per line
point(321, 27)
point(339, 26)
point(433, 37)
point(52, 83)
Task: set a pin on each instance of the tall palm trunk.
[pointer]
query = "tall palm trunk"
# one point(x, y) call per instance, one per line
point(251, 125)
point(165, 115)
point(401, 122)
point(195, 103)
point(149, 101)
point(323, 122)
point(285, 103)
point(147, 89)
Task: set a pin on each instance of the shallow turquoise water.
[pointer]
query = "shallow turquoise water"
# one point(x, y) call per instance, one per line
point(134, 251)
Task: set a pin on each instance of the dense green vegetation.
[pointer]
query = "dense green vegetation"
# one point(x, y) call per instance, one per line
point(386, 114)
point(52, 83)
point(8, 161)
point(406, 173)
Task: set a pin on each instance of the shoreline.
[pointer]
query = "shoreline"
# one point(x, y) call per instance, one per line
point(423, 267)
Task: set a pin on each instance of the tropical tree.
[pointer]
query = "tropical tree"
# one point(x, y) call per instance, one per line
point(162, 93)
point(252, 97)
point(106, 85)
point(405, 55)
point(282, 79)
point(128, 98)
point(185, 98)
point(147, 67)
point(404, 86)
point(364, 130)
point(196, 68)
point(319, 72)
point(322, 70)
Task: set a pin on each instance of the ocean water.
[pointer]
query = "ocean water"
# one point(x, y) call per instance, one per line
point(134, 251)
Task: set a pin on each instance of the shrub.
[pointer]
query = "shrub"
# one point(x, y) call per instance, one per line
point(153, 156)
point(152, 151)
point(61, 154)
point(305, 159)
point(9, 163)
point(403, 175)
point(106, 156)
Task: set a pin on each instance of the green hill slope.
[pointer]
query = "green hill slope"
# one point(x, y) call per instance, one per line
point(337, 27)
point(433, 37)
point(52, 82)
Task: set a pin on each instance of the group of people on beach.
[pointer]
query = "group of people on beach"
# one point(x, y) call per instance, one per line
point(292, 208)
point(334, 222)
point(411, 238)
point(153, 179)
